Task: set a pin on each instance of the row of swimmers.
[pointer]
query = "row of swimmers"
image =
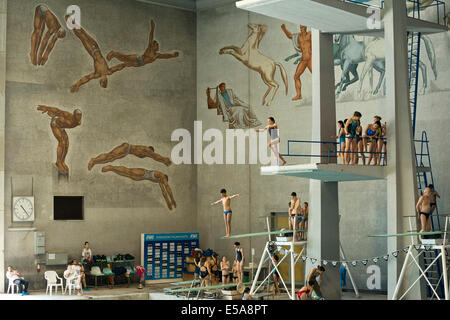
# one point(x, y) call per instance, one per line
point(353, 140)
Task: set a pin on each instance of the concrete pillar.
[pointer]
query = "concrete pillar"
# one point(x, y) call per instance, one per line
point(401, 169)
point(2, 140)
point(323, 234)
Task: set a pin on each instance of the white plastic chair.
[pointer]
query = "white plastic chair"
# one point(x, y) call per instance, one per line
point(72, 281)
point(11, 286)
point(52, 281)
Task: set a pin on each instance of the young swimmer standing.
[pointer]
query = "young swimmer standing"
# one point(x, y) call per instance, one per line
point(434, 194)
point(294, 213)
point(226, 210)
point(424, 209)
point(239, 261)
point(225, 268)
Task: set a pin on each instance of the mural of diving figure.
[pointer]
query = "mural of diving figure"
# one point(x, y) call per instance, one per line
point(125, 149)
point(101, 68)
point(140, 174)
point(150, 54)
point(302, 44)
point(62, 120)
point(44, 18)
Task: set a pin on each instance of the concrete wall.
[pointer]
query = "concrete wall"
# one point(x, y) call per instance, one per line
point(140, 105)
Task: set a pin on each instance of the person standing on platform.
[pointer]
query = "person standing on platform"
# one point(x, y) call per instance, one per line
point(272, 128)
point(275, 274)
point(227, 212)
point(294, 213)
point(350, 132)
point(225, 268)
point(434, 194)
point(312, 277)
point(240, 260)
point(424, 209)
point(304, 221)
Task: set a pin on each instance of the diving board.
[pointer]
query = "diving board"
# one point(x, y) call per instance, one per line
point(330, 16)
point(407, 234)
point(223, 286)
point(258, 234)
point(328, 172)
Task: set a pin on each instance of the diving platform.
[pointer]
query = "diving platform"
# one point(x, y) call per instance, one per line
point(328, 172)
point(332, 16)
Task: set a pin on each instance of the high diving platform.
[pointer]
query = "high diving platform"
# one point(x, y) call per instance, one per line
point(335, 16)
point(328, 172)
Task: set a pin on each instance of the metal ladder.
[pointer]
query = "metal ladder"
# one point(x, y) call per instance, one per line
point(423, 159)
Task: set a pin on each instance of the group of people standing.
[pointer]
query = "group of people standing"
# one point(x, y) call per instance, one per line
point(354, 141)
point(298, 217)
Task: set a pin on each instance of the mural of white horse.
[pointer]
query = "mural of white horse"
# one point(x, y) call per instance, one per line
point(251, 57)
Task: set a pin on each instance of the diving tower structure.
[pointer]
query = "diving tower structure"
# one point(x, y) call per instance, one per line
point(326, 18)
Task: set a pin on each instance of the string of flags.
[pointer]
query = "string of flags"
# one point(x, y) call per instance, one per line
point(364, 262)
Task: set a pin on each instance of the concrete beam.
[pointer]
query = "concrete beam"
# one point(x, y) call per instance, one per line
point(323, 235)
point(3, 4)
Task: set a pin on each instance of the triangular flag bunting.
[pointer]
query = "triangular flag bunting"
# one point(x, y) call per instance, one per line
point(386, 257)
point(304, 258)
point(427, 248)
point(334, 263)
point(364, 262)
point(405, 249)
point(324, 262)
point(395, 253)
point(313, 260)
point(375, 259)
point(417, 247)
point(354, 262)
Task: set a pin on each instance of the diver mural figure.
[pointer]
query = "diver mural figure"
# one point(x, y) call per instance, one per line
point(62, 120)
point(140, 174)
point(44, 18)
point(302, 44)
point(150, 54)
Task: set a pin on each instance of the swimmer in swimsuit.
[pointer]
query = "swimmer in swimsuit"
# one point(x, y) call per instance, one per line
point(312, 277)
point(304, 220)
point(44, 18)
point(294, 213)
point(205, 271)
point(226, 210)
point(434, 194)
point(372, 134)
point(125, 149)
point(225, 267)
point(350, 132)
point(235, 272)
point(272, 129)
point(275, 274)
point(424, 209)
point(150, 55)
point(240, 259)
point(360, 144)
point(306, 291)
point(139, 174)
point(341, 137)
point(62, 120)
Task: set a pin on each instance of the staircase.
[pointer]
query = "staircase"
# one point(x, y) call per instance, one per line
point(423, 159)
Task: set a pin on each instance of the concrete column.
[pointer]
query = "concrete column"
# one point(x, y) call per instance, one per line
point(323, 234)
point(2, 140)
point(401, 169)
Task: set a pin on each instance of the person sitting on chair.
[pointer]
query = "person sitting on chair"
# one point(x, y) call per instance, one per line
point(15, 277)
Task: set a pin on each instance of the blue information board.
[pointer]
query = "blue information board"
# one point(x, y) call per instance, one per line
point(164, 254)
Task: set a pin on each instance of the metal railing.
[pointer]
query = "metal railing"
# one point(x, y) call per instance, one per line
point(335, 150)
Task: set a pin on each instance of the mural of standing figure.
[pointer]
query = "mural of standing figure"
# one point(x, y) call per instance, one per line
point(43, 18)
point(62, 120)
point(250, 56)
point(302, 44)
point(150, 54)
point(125, 149)
point(101, 68)
point(139, 174)
point(233, 110)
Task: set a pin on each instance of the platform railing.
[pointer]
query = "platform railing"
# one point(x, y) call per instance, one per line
point(331, 154)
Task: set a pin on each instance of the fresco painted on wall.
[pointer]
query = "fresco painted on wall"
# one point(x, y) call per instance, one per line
point(101, 68)
point(302, 44)
point(140, 174)
point(44, 18)
point(150, 54)
point(233, 110)
point(349, 53)
point(62, 120)
point(125, 149)
point(252, 58)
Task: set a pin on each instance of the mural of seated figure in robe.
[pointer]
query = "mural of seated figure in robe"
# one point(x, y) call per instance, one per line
point(233, 110)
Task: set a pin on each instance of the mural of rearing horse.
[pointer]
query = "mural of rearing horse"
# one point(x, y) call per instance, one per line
point(251, 57)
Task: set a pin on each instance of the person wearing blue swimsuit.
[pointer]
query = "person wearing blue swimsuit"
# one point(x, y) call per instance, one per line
point(272, 129)
point(227, 212)
point(350, 132)
point(341, 137)
point(360, 144)
point(372, 134)
point(239, 259)
point(275, 274)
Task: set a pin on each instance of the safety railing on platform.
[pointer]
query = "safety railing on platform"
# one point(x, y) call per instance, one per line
point(334, 152)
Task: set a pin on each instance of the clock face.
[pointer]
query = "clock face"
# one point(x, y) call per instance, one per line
point(23, 209)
